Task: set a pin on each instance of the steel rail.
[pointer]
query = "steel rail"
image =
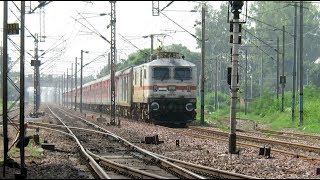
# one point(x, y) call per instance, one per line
point(310, 148)
point(95, 166)
point(179, 170)
point(219, 174)
point(247, 145)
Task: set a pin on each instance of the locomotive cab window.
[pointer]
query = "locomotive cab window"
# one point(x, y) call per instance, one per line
point(182, 73)
point(161, 73)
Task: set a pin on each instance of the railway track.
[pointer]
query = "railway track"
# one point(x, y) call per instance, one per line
point(281, 134)
point(289, 134)
point(122, 159)
point(198, 132)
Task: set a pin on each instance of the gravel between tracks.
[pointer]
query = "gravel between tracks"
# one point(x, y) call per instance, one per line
point(64, 164)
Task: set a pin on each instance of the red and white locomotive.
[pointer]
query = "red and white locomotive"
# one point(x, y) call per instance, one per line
point(161, 91)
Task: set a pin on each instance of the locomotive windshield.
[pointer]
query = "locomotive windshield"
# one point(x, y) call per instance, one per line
point(161, 73)
point(182, 73)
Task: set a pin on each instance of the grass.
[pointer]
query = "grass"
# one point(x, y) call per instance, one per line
point(267, 111)
point(32, 150)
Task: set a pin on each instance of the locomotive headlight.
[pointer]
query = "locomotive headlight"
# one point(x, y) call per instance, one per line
point(189, 107)
point(155, 106)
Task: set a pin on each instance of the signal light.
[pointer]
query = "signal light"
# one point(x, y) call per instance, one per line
point(236, 6)
point(229, 76)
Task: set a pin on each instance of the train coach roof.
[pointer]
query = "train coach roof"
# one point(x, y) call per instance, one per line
point(170, 62)
point(96, 81)
point(123, 71)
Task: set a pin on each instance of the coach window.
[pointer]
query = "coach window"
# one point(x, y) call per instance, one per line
point(182, 73)
point(135, 77)
point(145, 73)
point(161, 73)
point(140, 77)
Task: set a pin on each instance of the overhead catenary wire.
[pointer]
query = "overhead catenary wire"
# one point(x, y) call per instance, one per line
point(181, 27)
point(96, 31)
point(95, 59)
point(51, 48)
point(263, 51)
point(276, 9)
point(167, 5)
point(260, 39)
point(131, 43)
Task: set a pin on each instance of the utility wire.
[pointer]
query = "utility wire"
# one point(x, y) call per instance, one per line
point(263, 51)
point(96, 31)
point(167, 5)
point(98, 57)
point(51, 48)
point(92, 31)
point(181, 27)
point(260, 40)
point(268, 24)
point(131, 43)
point(285, 6)
point(51, 59)
point(279, 28)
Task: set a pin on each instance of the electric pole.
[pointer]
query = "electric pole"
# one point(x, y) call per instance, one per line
point(202, 64)
point(112, 62)
point(283, 78)
point(75, 84)
point(71, 86)
point(64, 90)
point(152, 39)
point(236, 7)
point(216, 87)
point(301, 64)
point(67, 93)
point(246, 85)
point(151, 49)
point(278, 68)
point(261, 76)
point(5, 86)
point(36, 63)
point(23, 170)
point(294, 74)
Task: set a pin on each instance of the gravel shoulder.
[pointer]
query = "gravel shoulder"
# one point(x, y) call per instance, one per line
point(63, 163)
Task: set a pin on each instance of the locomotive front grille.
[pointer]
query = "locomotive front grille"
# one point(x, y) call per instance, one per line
point(177, 110)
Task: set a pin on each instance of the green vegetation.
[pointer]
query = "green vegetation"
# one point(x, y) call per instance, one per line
point(31, 150)
point(267, 110)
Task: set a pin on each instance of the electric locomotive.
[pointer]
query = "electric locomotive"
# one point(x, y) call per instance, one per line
point(164, 90)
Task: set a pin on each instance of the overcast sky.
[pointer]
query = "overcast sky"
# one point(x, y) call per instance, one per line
point(72, 26)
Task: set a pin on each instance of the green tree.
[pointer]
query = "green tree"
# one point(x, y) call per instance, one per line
point(315, 75)
point(217, 46)
point(265, 16)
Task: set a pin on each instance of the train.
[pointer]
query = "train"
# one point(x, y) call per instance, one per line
point(162, 91)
